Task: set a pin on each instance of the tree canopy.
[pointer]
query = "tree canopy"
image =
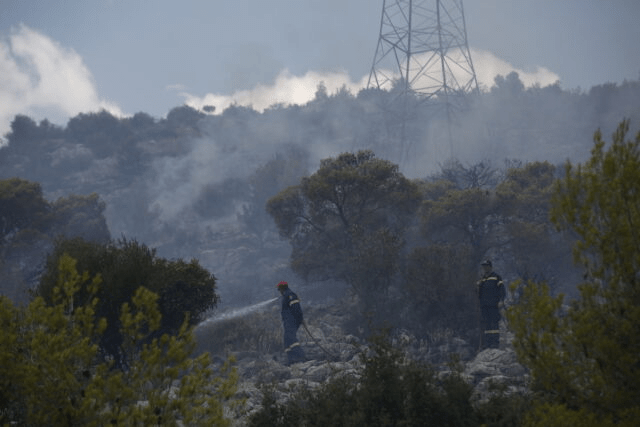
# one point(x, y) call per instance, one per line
point(21, 204)
point(29, 224)
point(346, 221)
point(584, 356)
point(51, 372)
point(185, 289)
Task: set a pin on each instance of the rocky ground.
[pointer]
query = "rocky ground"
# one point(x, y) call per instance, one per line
point(333, 353)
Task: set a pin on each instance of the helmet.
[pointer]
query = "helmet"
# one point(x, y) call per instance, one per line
point(486, 262)
point(282, 285)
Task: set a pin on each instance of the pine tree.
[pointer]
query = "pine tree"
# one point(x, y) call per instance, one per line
point(50, 372)
point(584, 356)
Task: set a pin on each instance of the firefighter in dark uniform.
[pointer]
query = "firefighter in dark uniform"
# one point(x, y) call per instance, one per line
point(291, 320)
point(491, 294)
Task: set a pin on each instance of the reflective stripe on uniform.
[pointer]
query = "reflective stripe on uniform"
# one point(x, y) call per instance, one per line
point(295, 344)
point(295, 301)
point(492, 331)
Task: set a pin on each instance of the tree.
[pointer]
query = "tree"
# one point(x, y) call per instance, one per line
point(268, 179)
point(184, 116)
point(186, 290)
point(584, 357)
point(81, 216)
point(438, 280)
point(29, 224)
point(347, 220)
point(471, 217)
point(479, 175)
point(50, 372)
point(26, 137)
point(21, 204)
point(101, 132)
point(509, 86)
point(462, 226)
point(536, 249)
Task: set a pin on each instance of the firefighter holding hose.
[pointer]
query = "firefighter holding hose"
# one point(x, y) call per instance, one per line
point(291, 320)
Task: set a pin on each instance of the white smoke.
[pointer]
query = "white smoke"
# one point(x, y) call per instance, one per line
point(289, 89)
point(487, 66)
point(42, 79)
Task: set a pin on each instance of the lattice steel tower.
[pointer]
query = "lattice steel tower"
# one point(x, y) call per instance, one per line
point(423, 47)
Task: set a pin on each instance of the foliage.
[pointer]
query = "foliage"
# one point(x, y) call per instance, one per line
point(21, 204)
point(537, 249)
point(129, 160)
point(459, 227)
point(81, 216)
point(478, 175)
point(391, 390)
point(186, 290)
point(462, 226)
point(29, 224)
point(584, 357)
point(438, 281)
point(600, 202)
point(101, 132)
point(50, 373)
point(347, 220)
point(504, 408)
point(468, 216)
point(526, 191)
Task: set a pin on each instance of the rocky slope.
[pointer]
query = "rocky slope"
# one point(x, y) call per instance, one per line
point(254, 340)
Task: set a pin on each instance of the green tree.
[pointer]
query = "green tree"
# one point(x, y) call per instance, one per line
point(584, 357)
point(347, 221)
point(29, 224)
point(51, 373)
point(462, 226)
point(186, 290)
point(470, 217)
point(21, 205)
point(438, 279)
point(536, 249)
point(81, 216)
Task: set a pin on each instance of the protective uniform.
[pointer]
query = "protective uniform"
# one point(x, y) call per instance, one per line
point(491, 293)
point(291, 320)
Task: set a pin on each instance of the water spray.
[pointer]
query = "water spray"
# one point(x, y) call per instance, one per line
point(244, 311)
point(238, 312)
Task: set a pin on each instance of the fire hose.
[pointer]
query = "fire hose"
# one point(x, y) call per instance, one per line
point(331, 355)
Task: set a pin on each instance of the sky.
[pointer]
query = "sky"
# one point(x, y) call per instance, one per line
point(62, 58)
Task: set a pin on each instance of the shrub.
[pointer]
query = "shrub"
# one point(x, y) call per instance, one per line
point(50, 372)
point(185, 289)
point(391, 391)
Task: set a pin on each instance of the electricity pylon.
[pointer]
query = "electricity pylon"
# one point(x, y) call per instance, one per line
point(423, 47)
point(423, 50)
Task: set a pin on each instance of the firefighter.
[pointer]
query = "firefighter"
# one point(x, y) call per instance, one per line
point(291, 320)
point(491, 294)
